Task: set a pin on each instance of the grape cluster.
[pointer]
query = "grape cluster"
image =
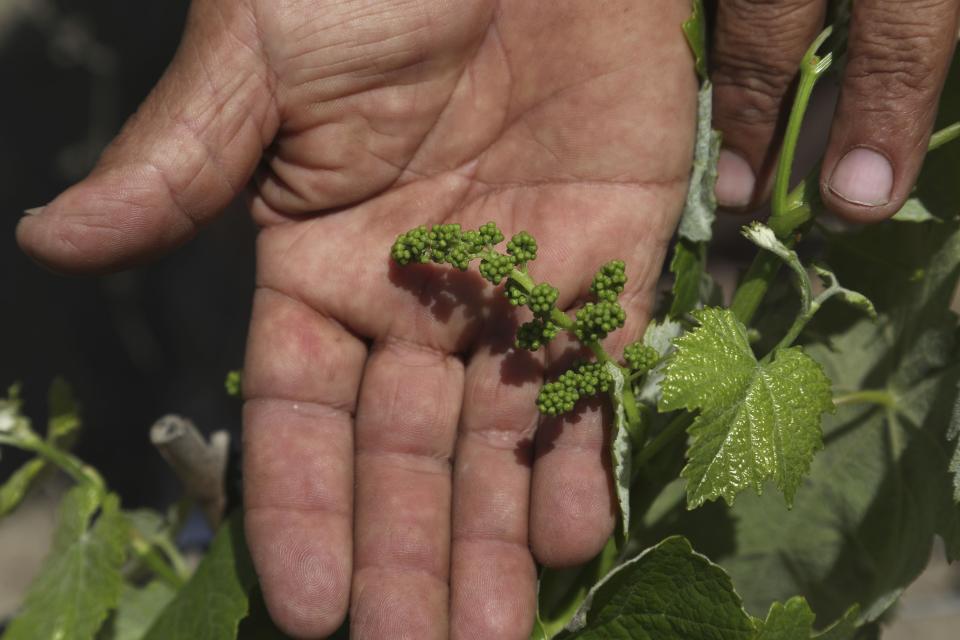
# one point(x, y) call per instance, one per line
point(609, 281)
point(596, 320)
point(561, 395)
point(640, 358)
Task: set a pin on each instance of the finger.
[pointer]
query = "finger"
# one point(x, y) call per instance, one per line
point(406, 425)
point(573, 505)
point(757, 51)
point(301, 379)
point(493, 576)
point(186, 153)
point(899, 54)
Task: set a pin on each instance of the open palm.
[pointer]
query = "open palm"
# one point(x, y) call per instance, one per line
point(393, 461)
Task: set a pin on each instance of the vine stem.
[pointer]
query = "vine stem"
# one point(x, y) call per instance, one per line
point(943, 136)
point(72, 466)
point(558, 317)
point(790, 209)
point(880, 397)
point(812, 67)
point(674, 428)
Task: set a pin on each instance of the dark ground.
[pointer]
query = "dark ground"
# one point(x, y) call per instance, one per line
point(137, 344)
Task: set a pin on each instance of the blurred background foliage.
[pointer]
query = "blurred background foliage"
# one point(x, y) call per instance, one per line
point(136, 344)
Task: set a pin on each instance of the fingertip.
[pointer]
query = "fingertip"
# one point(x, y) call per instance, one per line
point(305, 585)
point(860, 187)
point(572, 513)
point(113, 219)
point(735, 180)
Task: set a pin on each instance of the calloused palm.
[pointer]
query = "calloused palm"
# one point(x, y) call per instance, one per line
point(391, 463)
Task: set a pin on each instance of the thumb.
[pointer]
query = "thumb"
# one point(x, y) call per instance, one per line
point(188, 150)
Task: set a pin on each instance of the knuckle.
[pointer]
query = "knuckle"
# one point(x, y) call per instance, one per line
point(750, 93)
point(894, 63)
point(758, 48)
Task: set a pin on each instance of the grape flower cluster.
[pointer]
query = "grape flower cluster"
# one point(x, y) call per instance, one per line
point(449, 244)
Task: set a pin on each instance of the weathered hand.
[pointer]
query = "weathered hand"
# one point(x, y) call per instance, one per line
point(390, 462)
point(898, 57)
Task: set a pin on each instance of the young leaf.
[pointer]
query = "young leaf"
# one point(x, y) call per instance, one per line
point(695, 30)
point(137, 610)
point(17, 485)
point(764, 237)
point(621, 447)
point(758, 420)
point(699, 212)
point(212, 603)
point(658, 335)
point(64, 412)
point(13, 424)
point(80, 581)
point(953, 435)
point(793, 620)
point(914, 211)
point(688, 267)
point(669, 591)
point(832, 288)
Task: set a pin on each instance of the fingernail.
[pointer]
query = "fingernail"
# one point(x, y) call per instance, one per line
point(735, 180)
point(35, 211)
point(863, 177)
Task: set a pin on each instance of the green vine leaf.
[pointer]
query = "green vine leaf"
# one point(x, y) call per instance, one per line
point(793, 620)
point(758, 420)
point(880, 492)
point(953, 435)
point(913, 210)
point(669, 591)
point(137, 610)
point(688, 267)
point(212, 603)
point(80, 582)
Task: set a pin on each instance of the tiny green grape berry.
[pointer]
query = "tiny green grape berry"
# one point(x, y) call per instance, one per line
point(561, 395)
point(543, 297)
point(535, 334)
point(596, 320)
point(516, 294)
point(412, 246)
point(593, 378)
point(490, 234)
point(495, 267)
point(444, 239)
point(460, 258)
point(472, 242)
point(523, 247)
point(640, 358)
point(556, 398)
point(609, 281)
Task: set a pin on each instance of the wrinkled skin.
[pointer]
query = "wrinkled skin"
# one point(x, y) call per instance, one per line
point(393, 465)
